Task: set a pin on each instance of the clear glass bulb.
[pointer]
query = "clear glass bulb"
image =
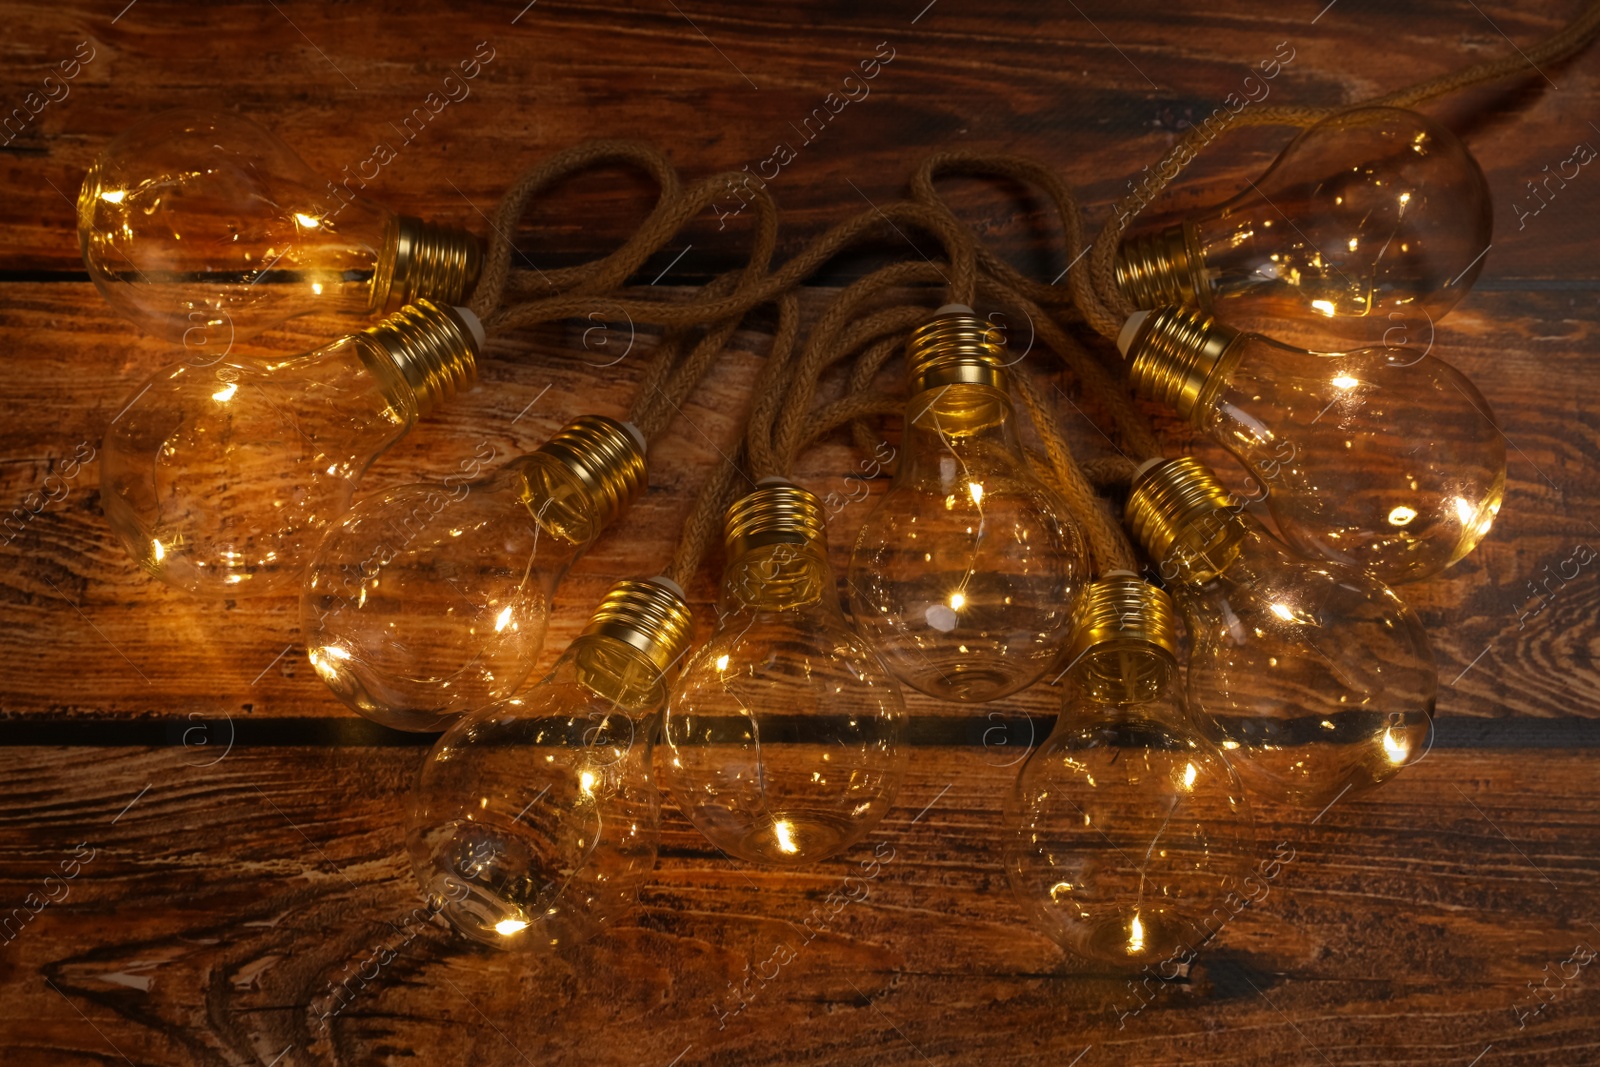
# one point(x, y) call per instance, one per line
point(427, 601)
point(784, 738)
point(1127, 830)
point(535, 821)
point(203, 227)
point(1371, 224)
point(1383, 459)
point(964, 574)
point(221, 479)
point(1316, 679)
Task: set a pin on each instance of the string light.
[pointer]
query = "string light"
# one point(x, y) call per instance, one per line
point(1371, 224)
point(204, 228)
point(221, 479)
point(534, 821)
point(965, 572)
point(784, 738)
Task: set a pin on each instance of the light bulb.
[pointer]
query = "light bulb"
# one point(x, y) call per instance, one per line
point(430, 600)
point(1384, 459)
point(964, 574)
point(1127, 830)
point(1371, 224)
point(221, 479)
point(1315, 678)
point(784, 738)
point(205, 228)
point(535, 820)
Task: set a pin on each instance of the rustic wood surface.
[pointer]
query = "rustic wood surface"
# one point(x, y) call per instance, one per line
point(244, 828)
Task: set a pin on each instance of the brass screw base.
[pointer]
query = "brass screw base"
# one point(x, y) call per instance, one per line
point(773, 515)
point(430, 348)
point(651, 616)
point(956, 347)
point(1171, 497)
point(1181, 357)
point(424, 260)
point(606, 457)
point(1160, 268)
point(1123, 609)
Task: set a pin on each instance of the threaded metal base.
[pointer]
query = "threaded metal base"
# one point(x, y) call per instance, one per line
point(1160, 268)
point(956, 348)
point(1123, 609)
point(651, 616)
point(424, 260)
point(772, 515)
point(1181, 357)
point(1169, 499)
point(605, 456)
point(1124, 642)
point(430, 347)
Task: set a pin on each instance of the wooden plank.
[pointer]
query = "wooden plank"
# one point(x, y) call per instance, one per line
point(231, 905)
point(100, 638)
point(335, 82)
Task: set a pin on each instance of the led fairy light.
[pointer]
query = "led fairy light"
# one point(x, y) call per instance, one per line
point(204, 227)
point(1385, 459)
point(964, 574)
point(221, 479)
point(429, 600)
point(784, 737)
point(1372, 224)
point(1315, 678)
point(1126, 828)
point(535, 820)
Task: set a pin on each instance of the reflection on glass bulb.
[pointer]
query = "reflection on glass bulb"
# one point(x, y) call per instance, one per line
point(221, 479)
point(964, 574)
point(1127, 829)
point(1372, 224)
point(203, 227)
point(1384, 459)
point(535, 820)
point(427, 601)
point(1316, 679)
point(784, 737)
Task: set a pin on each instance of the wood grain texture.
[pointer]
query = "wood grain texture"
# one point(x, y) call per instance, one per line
point(235, 904)
point(245, 831)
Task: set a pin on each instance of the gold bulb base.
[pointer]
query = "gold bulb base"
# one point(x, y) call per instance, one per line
point(430, 347)
point(424, 261)
point(1173, 500)
point(606, 456)
point(1163, 267)
point(1124, 610)
point(650, 616)
point(775, 514)
point(1181, 357)
point(956, 348)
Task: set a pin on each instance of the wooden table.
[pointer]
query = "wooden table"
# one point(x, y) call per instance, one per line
point(233, 832)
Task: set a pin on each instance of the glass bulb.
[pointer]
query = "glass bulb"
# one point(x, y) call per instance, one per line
point(1127, 830)
point(221, 479)
point(1315, 678)
point(1384, 459)
point(785, 734)
point(427, 601)
point(202, 227)
point(535, 820)
point(964, 574)
point(1370, 225)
